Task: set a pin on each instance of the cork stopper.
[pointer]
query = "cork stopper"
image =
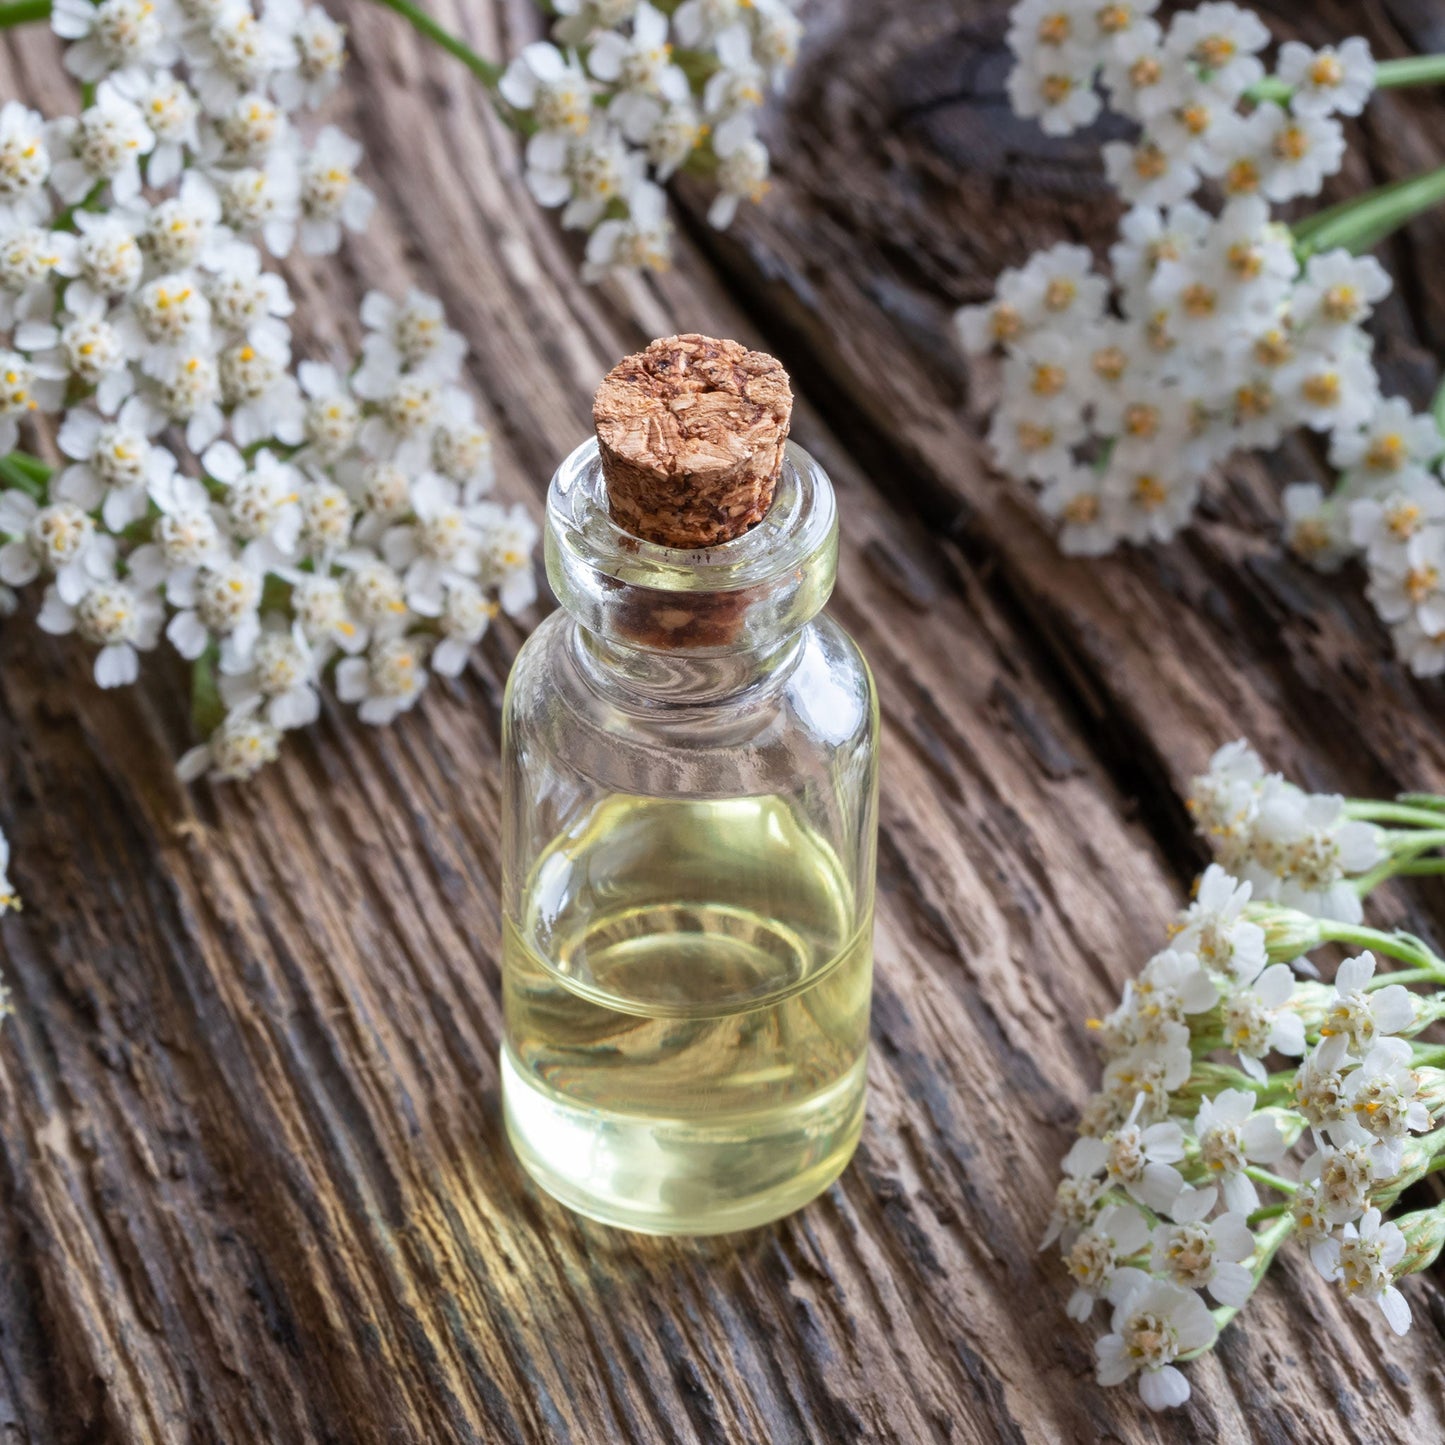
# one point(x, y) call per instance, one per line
point(691, 435)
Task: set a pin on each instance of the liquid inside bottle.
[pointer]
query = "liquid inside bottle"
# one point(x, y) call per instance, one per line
point(687, 991)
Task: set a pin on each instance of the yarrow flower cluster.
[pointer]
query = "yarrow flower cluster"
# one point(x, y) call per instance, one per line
point(276, 523)
point(1217, 330)
point(632, 93)
point(1180, 1188)
point(1300, 849)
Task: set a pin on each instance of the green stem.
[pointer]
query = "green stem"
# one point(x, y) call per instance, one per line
point(1402, 857)
point(1398, 812)
point(1419, 867)
point(1428, 801)
point(1273, 1181)
point(1267, 1211)
point(1389, 75)
point(22, 12)
point(1404, 975)
point(487, 71)
point(1365, 221)
point(207, 709)
point(1404, 946)
point(1409, 70)
point(1270, 88)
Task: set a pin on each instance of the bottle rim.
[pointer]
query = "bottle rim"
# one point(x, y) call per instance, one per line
point(745, 594)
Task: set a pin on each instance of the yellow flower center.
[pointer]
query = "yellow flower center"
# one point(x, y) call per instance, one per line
point(1214, 51)
point(1150, 162)
point(1144, 72)
point(1060, 293)
point(1386, 453)
point(1402, 520)
point(1149, 492)
point(1141, 420)
point(1195, 119)
point(1082, 510)
point(1322, 389)
point(1049, 380)
point(1055, 29)
point(1273, 348)
point(1292, 144)
point(1110, 363)
point(1157, 332)
point(1242, 177)
point(1244, 260)
point(1326, 70)
point(1420, 583)
point(1253, 399)
point(1198, 300)
point(1340, 303)
point(1055, 88)
point(1006, 323)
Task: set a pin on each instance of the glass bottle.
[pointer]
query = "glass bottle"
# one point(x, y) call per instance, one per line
point(689, 833)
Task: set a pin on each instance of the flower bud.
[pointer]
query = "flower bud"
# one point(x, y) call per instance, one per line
point(1288, 933)
point(1424, 1234)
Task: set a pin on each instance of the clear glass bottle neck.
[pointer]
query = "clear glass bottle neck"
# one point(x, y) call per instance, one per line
point(672, 626)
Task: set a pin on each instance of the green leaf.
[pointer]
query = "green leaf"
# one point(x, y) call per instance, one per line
point(22, 12)
point(208, 711)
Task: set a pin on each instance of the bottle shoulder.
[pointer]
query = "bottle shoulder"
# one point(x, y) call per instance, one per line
point(825, 700)
point(831, 688)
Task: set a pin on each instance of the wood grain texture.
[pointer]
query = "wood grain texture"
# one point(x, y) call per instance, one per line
point(253, 1185)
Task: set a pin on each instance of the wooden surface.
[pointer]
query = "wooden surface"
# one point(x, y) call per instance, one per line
point(253, 1185)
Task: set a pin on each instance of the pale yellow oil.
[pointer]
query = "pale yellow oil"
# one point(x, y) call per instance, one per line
point(687, 996)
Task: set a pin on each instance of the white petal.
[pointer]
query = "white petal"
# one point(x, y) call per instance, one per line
point(1232, 1237)
point(117, 665)
point(124, 507)
point(449, 657)
point(543, 60)
point(1355, 973)
point(1262, 1139)
point(18, 564)
point(1159, 1188)
point(1194, 1204)
point(1231, 1284)
point(351, 679)
point(1396, 1310)
point(188, 635)
point(1240, 1195)
point(298, 708)
point(56, 616)
point(77, 434)
point(80, 485)
point(1113, 1363)
point(1164, 1388)
point(1393, 1008)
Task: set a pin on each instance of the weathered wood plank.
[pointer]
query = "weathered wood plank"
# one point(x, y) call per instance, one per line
point(254, 1181)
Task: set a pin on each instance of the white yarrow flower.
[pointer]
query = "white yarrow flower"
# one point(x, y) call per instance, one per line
point(1230, 1136)
point(1333, 78)
point(1363, 1258)
point(387, 681)
point(1154, 1323)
